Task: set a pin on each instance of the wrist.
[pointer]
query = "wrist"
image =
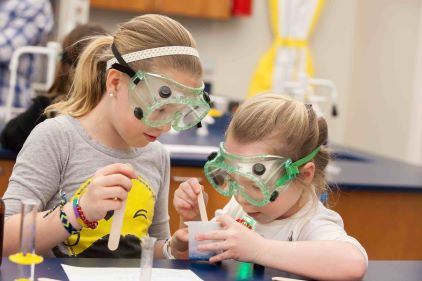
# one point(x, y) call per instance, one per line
point(179, 248)
point(167, 253)
point(264, 246)
point(68, 209)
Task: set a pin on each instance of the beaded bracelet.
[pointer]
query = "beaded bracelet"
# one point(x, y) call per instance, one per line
point(247, 221)
point(80, 216)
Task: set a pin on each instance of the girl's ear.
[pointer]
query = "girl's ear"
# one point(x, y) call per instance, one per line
point(307, 172)
point(114, 78)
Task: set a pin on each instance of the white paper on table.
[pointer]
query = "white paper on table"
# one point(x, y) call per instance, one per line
point(76, 273)
point(193, 149)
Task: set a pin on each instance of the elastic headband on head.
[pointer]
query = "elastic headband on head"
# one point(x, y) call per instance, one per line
point(153, 53)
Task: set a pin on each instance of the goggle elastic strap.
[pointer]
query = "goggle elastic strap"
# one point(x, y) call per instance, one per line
point(212, 155)
point(292, 169)
point(122, 65)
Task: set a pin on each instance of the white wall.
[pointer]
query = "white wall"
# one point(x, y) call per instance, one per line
point(333, 45)
point(381, 89)
point(414, 149)
point(367, 48)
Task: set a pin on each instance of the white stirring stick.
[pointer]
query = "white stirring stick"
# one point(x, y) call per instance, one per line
point(202, 208)
point(116, 227)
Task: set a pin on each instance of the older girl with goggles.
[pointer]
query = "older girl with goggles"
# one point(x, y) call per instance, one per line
point(258, 179)
point(158, 100)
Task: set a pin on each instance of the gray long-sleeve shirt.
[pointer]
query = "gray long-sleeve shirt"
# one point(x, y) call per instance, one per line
point(60, 155)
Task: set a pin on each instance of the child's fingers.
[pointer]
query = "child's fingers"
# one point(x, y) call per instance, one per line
point(212, 235)
point(113, 180)
point(113, 193)
point(112, 205)
point(196, 186)
point(181, 235)
point(220, 257)
point(182, 204)
point(189, 193)
point(118, 168)
point(180, 195)
point(225, 221)
point(215, 247)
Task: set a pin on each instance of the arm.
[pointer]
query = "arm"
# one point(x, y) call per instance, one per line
point(321, 260)
point(106, 191)
point(44, 230)
point(158, 250)
point(326, 260)
point(185, 202)
point(36, 176)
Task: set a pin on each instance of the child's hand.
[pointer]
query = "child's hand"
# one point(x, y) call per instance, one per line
point(180, 244)
point(106, 191)
point(235, 241)
point(185, 199)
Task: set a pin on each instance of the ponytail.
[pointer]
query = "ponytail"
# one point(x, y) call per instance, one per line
point(89, 80)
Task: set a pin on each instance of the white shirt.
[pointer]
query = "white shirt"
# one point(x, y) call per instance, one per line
point(306, 225)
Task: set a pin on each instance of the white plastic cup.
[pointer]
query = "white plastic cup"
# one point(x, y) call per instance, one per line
point(194, 228)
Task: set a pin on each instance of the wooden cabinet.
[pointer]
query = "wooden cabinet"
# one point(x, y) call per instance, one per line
point(6, 167)
point(214, 9)
point(388, 224)
point(146, 6)
point(211, 9)
point(179, 175)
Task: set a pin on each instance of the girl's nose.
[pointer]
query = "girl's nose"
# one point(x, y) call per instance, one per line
point(165, 128)
point(242, 201)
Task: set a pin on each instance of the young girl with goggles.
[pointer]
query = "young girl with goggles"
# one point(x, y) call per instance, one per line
point(99, 155)
point(272, 166)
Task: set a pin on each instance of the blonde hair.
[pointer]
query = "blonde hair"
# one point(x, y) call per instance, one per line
point(292, 127)
point(140, 33)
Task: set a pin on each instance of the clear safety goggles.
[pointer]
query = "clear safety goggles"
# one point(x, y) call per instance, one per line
point(258, 179)
point(158, 100)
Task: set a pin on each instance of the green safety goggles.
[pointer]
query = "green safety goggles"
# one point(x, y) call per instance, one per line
point(258, 179)
point(158, 100)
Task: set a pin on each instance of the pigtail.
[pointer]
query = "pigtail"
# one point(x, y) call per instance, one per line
point(322, 159)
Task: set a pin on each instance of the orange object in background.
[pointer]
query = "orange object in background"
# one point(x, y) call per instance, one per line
point(242, 8)
point(1, 227)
